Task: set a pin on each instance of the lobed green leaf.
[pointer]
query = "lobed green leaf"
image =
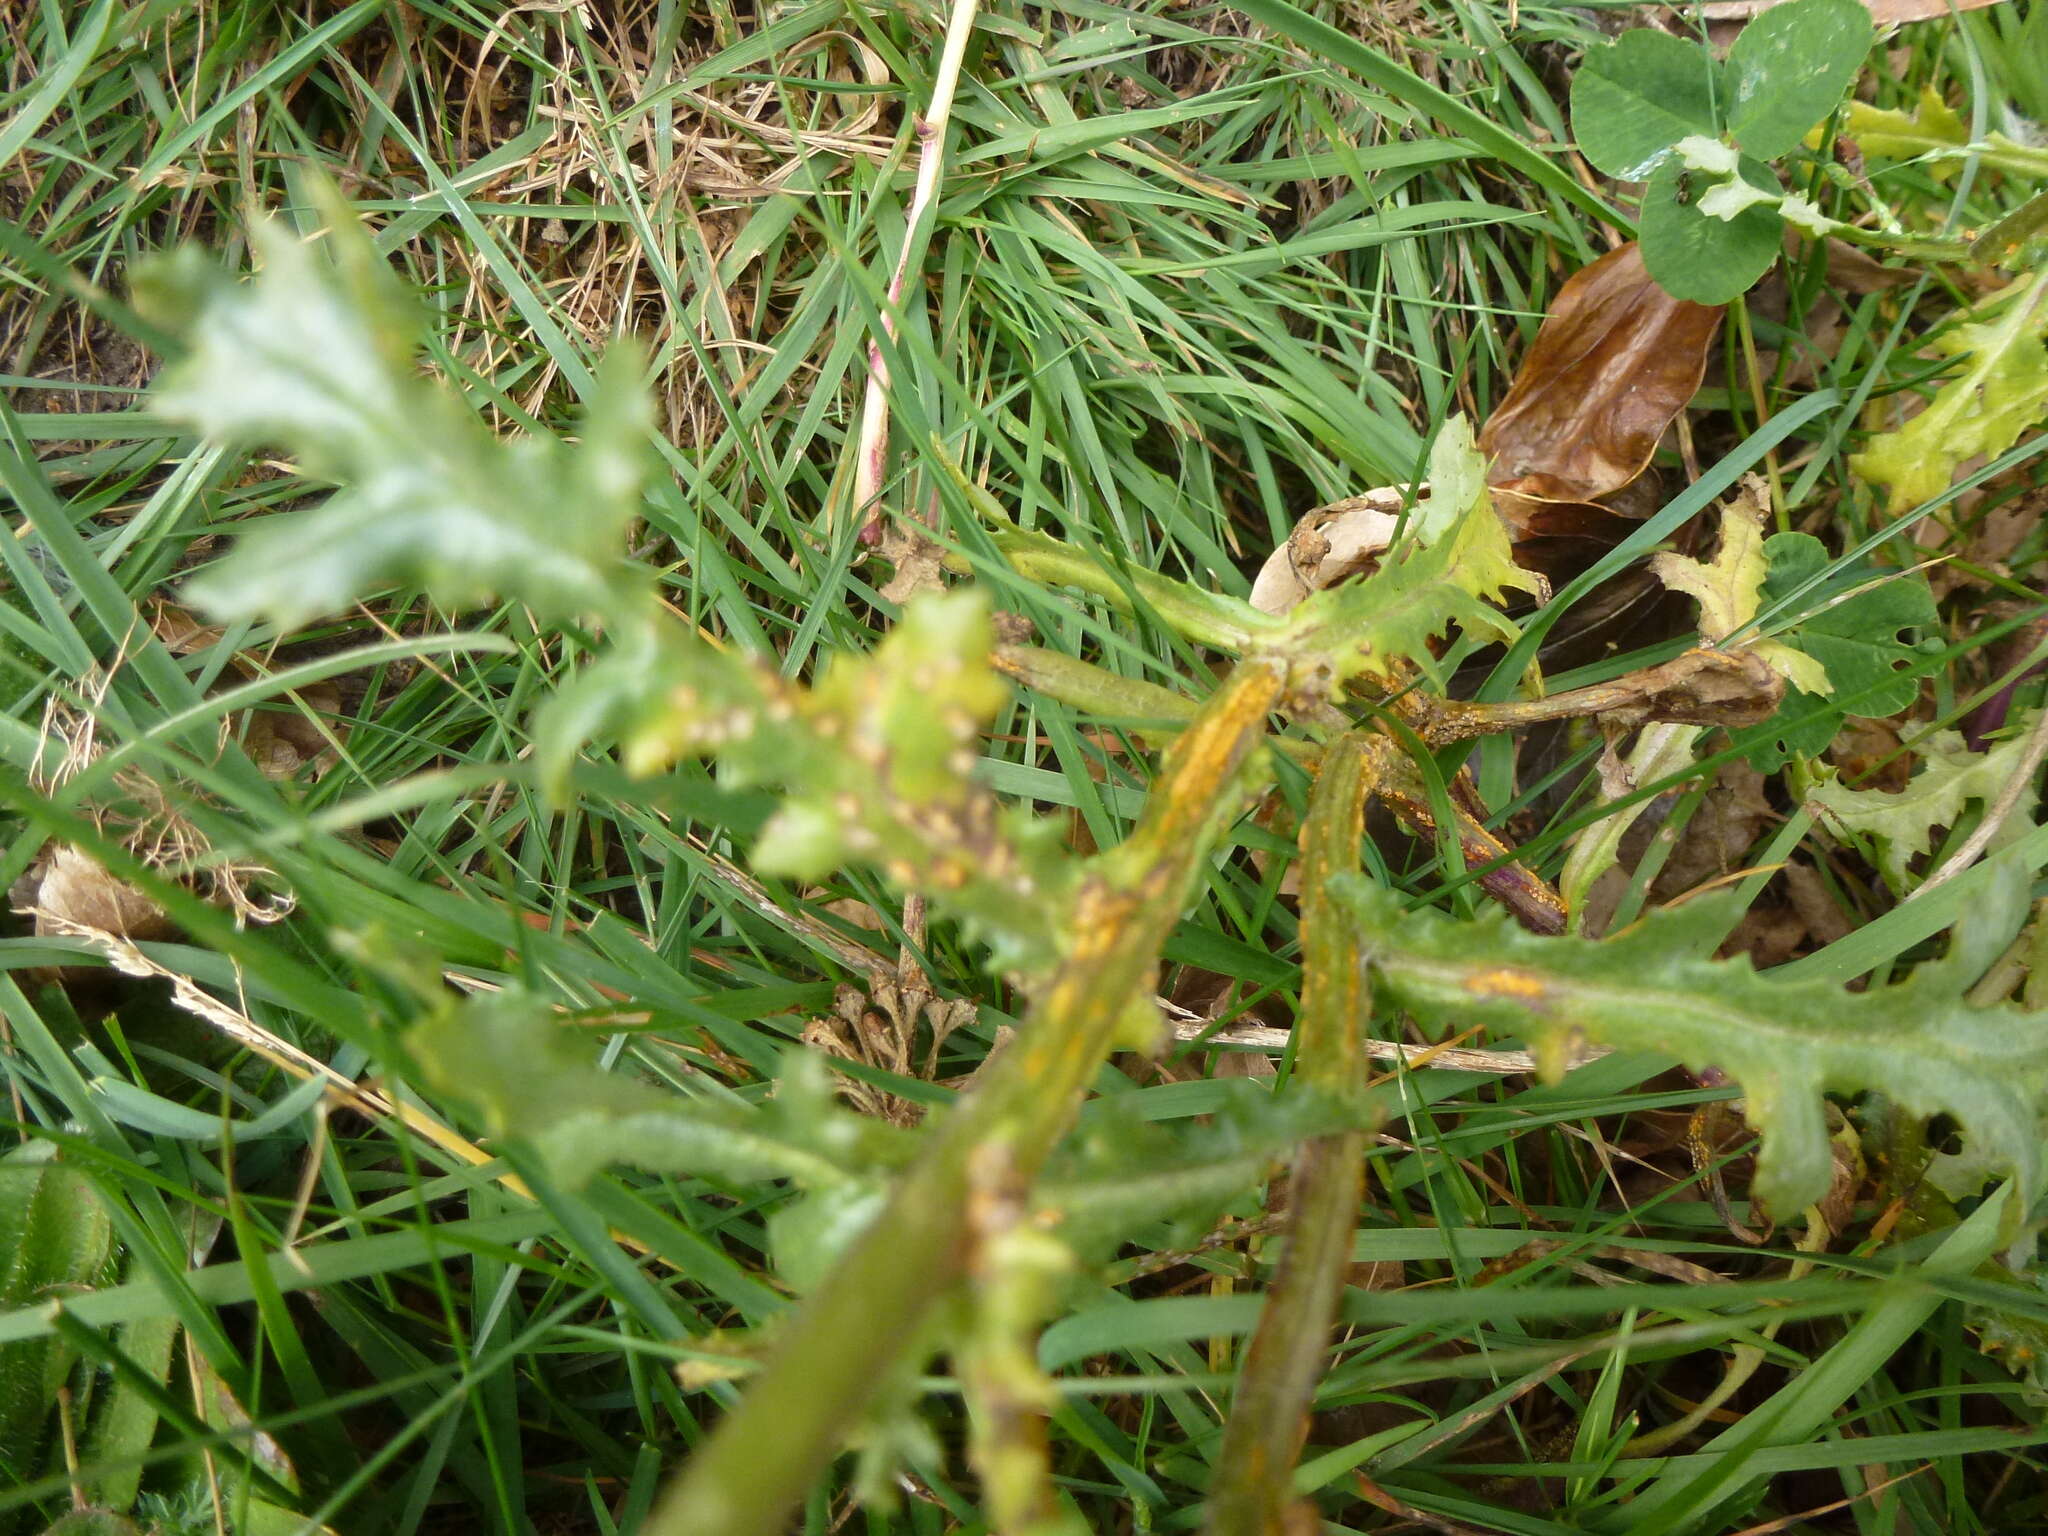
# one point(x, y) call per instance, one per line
point(1787, 1043)
point(1981, 412)
point(314, 355)
point(1902, 823)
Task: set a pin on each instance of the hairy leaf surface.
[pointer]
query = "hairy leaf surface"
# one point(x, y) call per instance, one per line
point(1901, 824)
point(1786, 1043)
point(314, 355)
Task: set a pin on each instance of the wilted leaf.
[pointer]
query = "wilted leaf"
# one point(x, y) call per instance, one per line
point(1786, 1043)
point(1635, 97)
point(1613, 364)
point(1790, 68)
point(1386, 622)
point(1347, 538)
point(876, 762)
point(71, 886)
point(1858, 623)
point(1901, 824)
point(1730, 587)
point(223, 1411)
point(2000, 394)
point(314, 355)
point(1329, 545)
point(1933, 130)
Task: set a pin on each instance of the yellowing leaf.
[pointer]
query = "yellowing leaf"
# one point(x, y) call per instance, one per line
point(875, 764)
point(1457, 480)
point(1983, 410)
point(1901, 825)
point(1382, 625)
point(1897, 135)
point(1729, 588)
point(1932, 129)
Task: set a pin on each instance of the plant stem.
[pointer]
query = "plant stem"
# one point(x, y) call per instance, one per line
point(1092, 689)
point(867, 1319)
point(1269, 1412)
point(1209, 617)
point(1702, 687)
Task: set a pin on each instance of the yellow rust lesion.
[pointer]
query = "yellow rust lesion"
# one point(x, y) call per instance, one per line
point(1506, 981)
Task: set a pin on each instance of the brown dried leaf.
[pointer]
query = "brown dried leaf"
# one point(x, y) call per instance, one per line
point(74, 887)
point(918, 561)
point(280, 741)
point(1329, 545)
point(1613, 364)
point(1717, 841)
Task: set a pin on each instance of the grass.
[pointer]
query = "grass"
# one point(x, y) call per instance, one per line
point(1192, 271)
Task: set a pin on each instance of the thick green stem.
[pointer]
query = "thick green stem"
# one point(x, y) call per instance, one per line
point(1088, 687)
point(862, 1322)
point(1269, 1414)
point(1209, 617)
point(1085, 686)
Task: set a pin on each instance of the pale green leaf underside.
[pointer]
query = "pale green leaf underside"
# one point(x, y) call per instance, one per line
point(1786, 1043)
point(1902, 823)
point(313, 355)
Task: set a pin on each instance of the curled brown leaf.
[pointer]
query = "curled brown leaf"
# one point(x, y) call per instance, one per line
point(1615, 361)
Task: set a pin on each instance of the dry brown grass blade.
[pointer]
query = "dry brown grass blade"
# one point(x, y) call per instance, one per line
point(872, 461)
point(1452, 1058)
point(126, 957)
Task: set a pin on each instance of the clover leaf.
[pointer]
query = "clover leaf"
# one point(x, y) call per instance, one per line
point(1859, 621)
point(1662, 110)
